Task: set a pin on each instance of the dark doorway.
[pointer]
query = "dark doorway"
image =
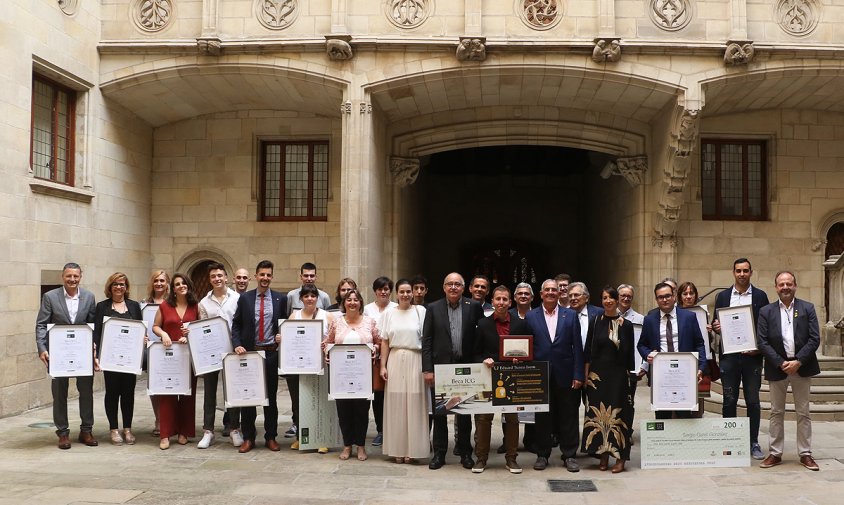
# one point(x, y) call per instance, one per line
point(199, 278)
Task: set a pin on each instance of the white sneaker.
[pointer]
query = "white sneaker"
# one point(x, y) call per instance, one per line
point(237, 438)
point(207, 440)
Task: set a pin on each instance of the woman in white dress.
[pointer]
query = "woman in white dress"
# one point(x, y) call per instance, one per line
point(406, 406)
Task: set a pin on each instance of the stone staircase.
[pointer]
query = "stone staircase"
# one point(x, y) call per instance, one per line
point(827, 397)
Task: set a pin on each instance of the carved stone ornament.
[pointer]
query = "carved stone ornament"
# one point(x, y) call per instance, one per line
point(471, 49)
point(670, 15)
point(540, 14)
point(408, 13)
point(739, 52)
point(339, 49)
point(676, 174)
point(365, 108)
point(404, 170)
point(606, 51)
point(152, 15)
point(209, 46)
point(632, 168)
point(798, 17)
point(69, 7)
point(276, 14)
point(346, 107)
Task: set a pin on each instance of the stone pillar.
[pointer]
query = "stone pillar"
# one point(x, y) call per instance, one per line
point(209, 18)
point(606, 18)
point(738, 18)
point(473, 15)
point(338, 17)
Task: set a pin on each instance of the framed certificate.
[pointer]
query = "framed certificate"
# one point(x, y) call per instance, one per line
point(149, 311)
point(738, 333)
point(244, 381)
point(209, 339)
point(71, 348)
point(515, 347)
point(674, 381)
point(122, 345)
point(169, 370)
point(702, 315)
point(300, 351)
point(350, 371)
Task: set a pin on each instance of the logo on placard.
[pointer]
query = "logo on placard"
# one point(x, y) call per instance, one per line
point(463, 371)
point(656, 426)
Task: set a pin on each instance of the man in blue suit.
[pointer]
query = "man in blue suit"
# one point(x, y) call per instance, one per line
point(671, 329)
point(255, 328)
point(556, 339)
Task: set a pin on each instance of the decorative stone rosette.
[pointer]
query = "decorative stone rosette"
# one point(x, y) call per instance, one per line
point(69, 7)
point(408, 13)
point(540, 14)
point(797, 17)
point(276, 14)
point(670, 15)
point(152, 15)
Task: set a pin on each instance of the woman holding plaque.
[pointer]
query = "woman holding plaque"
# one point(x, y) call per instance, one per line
point(159, 288)
point(177, 412)
point(119, 386)
point(353, 328)
point(405, 401)
point(689, 298)
point(609, 355)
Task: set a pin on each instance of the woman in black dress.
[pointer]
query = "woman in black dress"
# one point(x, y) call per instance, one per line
point(609, 354)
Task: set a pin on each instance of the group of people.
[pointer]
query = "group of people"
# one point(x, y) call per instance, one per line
point(591, 352)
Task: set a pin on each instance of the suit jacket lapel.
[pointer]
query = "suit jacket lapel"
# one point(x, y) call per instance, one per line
point(445, 318)
point(62, 302)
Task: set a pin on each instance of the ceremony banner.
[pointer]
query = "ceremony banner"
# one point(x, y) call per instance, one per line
point(470, 388)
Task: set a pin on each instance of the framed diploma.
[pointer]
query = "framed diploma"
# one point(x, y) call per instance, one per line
point(209, 339)
point(244, 382)
point(169, 370)
point(122, 345)
point(674, 381)
point(350, 371)
point(149, 311)
point(702, 315)
point(300, 351)
point(637, 334)
point(71, 349)
point(516, 347)
point(738, 333)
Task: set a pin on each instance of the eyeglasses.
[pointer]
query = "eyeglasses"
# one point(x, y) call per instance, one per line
point(454, 284)
point(575, 295)
point(119, 285)
point(662, 298)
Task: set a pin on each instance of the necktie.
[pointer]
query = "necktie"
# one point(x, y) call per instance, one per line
point(261, 323)
point(669, 333)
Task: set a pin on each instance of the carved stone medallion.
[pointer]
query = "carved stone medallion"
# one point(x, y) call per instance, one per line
point(408, 13)
point(798, 17)
point(540, 14)
point(152, 15)
point(670, 15)
point(276, 14)
point(69, 7)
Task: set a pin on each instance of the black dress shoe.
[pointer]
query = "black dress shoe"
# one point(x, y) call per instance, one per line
point(456, 451)
point(467, 462)
point(541, 463)
point(501, 449)
point(437, 461)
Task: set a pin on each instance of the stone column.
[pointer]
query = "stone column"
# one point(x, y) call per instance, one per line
point(606, 18)
point(473, 15)
point(338, 17)
point(738, 18)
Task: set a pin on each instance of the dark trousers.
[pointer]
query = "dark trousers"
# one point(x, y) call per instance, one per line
point(565, 407)
point(353, 417)
point(231, 418)
point(293, 389)
point(463, 426)
point(736, 370)
point(209, 404)
point(119, 392)
point(249, 414)
point(378, 410)
point(677, 414)
point(85, 387)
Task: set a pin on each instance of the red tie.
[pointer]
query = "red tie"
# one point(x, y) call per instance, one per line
point(261, 323)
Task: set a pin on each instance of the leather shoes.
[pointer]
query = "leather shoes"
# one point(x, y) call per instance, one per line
point(809, 462)
point(246, 446)
point(272, 445)
point(437, 461)
point(541, 463)
point(88, 439)
point(64, 442)
point(571, 465)
point(770, 461)
point(467, 462)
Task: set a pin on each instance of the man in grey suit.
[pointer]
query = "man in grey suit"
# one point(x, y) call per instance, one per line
point(788, 335)
point(69, 304)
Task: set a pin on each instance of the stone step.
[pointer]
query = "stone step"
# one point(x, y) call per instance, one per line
point(831, 362)
point(819, 411)
point(819, 393)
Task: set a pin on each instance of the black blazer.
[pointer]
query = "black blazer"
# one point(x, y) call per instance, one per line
point(436, 333)
point(806, 339)
point(243, 323)
point(487, 340)
point(133, 307)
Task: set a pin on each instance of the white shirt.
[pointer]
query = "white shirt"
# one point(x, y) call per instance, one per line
point(209, 306)
point(374, 311)
point(738, 299)
point(72, 303)
point(583, 317)
point(551, 320)
point(787, 328)
point(663, 343)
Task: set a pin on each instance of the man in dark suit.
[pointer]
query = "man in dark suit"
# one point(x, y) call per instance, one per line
point(788, 335)
point(556, 339)
point(671, 329)
point(742, 368)
point(487, 342)
point(586, 312)
point(255, 328)
point(478, 289)
point(68, 304)
point(448, 336)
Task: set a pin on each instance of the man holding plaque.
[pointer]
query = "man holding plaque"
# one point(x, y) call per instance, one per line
point(68, 304)
point(255, 328)
point(788, 335)
point(742, 368)
point(220, 301)
point(671, 329)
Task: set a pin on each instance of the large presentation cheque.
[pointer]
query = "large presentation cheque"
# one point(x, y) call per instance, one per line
point(690, 443)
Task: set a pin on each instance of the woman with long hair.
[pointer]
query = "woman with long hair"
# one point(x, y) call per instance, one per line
point(159, 288)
